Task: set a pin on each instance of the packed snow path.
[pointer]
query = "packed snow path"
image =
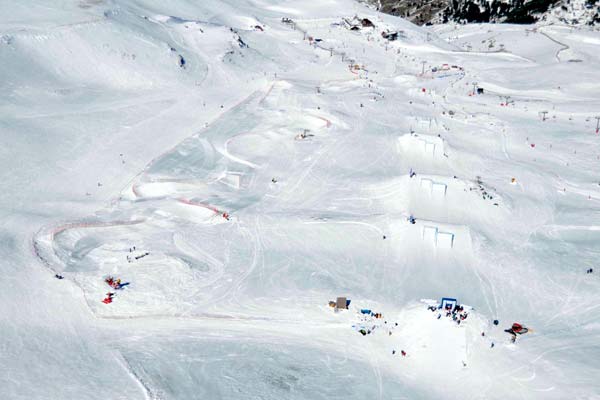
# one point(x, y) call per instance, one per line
point(238, 171)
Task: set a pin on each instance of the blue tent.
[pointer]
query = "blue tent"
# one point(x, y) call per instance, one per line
point(448, 302)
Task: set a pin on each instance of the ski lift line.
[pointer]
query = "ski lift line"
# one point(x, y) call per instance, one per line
point(316, 45)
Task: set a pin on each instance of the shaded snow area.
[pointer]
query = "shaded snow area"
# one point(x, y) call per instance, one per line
point(269, 200)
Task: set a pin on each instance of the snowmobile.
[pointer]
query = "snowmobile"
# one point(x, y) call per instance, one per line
point(516, 329)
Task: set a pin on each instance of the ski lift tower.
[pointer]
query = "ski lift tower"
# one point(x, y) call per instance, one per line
point(597, 125)
point(423, 70)
point(543, 114)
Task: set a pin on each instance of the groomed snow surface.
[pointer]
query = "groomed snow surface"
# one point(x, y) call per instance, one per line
point(237, 173)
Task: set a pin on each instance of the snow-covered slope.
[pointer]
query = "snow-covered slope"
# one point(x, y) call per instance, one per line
point(238, 171)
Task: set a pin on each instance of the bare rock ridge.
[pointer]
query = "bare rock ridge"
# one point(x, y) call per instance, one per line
point(424, 12)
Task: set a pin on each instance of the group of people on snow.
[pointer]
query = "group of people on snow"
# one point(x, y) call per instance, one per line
point(115, 284)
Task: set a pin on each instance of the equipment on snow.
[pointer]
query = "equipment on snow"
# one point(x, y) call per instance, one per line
point(516, 329)
point(448, 303)
point(342, 303)
point(108, 299)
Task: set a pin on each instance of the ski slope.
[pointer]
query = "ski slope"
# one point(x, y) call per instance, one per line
point(238, 172)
